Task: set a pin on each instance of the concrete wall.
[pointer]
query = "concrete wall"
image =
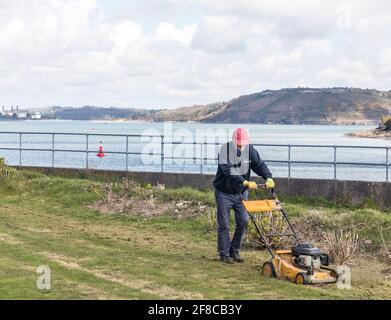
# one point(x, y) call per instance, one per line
point(351, 192)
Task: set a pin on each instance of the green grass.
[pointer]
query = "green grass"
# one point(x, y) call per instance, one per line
point(44, 220)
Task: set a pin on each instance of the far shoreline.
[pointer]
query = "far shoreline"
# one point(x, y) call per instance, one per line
point(195, 122)
point(371, 134)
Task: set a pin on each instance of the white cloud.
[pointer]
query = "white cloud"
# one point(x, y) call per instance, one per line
point(220, 34)
point(176, 52)
point(169, 32)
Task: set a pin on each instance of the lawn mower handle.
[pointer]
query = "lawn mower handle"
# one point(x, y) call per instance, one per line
point(261, 186)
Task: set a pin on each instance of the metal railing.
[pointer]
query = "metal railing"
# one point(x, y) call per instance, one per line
point(202, 159)
point(335, 163)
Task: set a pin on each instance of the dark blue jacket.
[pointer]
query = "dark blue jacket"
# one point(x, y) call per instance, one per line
point(227, 178)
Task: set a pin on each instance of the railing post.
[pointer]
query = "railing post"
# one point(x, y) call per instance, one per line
point(289, 161)
point(127, 153)
point(53, 134)
point(202, 158)
point(387, 163)
point(87, 149)
point(162, 154)
point(335, 162)
point(20, 149)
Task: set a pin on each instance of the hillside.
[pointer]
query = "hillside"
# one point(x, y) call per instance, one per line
point(307, 106)
point(194, 113)
point(285, 106)
point(98, 113)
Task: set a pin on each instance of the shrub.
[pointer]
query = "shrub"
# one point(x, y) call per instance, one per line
point(269, 223)
point(386, 121)
point(342, 245)
point(387, 251)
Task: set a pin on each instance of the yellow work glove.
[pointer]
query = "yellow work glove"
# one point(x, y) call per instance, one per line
point(250, 184)
point(270, 184)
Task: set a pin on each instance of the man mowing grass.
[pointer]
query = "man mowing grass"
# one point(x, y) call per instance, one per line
point(236, 160)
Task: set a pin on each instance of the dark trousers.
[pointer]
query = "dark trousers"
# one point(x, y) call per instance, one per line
point(225, 202)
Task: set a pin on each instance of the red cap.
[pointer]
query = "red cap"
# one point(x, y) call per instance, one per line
point(241, 137)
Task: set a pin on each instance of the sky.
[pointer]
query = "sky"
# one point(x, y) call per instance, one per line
point(171, 53)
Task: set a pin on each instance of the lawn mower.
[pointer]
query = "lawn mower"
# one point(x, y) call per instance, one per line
point(303, 263)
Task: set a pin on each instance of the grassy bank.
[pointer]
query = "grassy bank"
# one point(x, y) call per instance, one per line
point(123, 241)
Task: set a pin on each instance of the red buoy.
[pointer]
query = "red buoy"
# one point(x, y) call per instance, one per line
point(100, 153)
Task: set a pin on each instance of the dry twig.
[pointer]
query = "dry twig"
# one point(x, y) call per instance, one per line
point(342, 245)
point(384, 242)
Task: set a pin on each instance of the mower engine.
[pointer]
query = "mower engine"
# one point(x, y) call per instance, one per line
point(308, 262)
point(309, 257)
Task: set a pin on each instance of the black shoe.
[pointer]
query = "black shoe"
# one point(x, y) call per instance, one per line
point(227, 260)
point(235, 255)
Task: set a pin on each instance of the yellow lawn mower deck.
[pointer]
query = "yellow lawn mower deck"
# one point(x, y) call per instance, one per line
point(303, 263)
point(282, 266)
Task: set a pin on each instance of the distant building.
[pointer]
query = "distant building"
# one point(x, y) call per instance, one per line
point(36, 116)
point(22, 115)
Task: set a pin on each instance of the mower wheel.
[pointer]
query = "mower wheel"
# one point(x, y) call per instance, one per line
point(301, 278)
point(334, 274)
point(268, 270)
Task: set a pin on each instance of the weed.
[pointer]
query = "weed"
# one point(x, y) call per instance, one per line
point(5, 170)
point(210, 218)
